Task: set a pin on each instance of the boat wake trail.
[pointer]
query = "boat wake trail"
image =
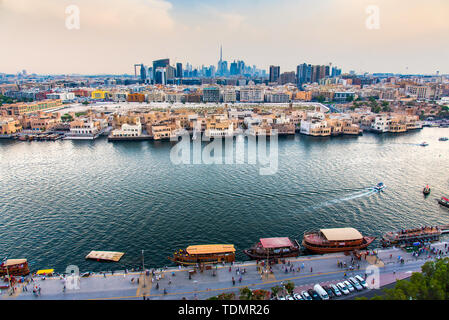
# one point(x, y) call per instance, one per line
point(364, 193)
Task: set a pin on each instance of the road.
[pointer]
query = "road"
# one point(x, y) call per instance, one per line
point(321, 269)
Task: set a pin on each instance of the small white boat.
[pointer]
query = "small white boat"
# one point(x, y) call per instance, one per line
point(424, 144)
point(380, 186)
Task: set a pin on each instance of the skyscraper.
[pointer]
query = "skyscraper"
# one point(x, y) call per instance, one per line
point(303, 74)
point(274, 73)
point(179, 70)
point(162, 63)
point(222, 66)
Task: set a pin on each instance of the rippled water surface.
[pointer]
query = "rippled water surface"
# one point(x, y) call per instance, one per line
point(60, 200)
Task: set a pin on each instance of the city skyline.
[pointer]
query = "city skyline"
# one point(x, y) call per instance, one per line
point(115, 34)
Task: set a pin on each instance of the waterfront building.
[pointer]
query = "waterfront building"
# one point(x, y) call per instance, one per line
point(86, 128)
point(9, 126)
point(315, 125)
point(43, 122)
point(216, 126)
point(131, 128)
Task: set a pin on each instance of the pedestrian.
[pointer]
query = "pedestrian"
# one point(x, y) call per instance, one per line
point(233, 281)
point(157, 286)
point(240, 279)
point(311, 269)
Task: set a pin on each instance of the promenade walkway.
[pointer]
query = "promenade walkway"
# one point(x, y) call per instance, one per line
point(202, 285)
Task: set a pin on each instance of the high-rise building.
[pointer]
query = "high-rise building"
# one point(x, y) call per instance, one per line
point(303, 74)
point(222, 66)
point(162, 63)
point(274, 73)
point(160, 76)
point(179, 70)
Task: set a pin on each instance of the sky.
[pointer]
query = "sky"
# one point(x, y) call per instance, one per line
point(400, 36)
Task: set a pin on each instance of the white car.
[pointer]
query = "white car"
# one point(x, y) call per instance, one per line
point(361, 281)
point(289, 297)
point(349, 286)
point(336, 291)
point(356, 284)
point(281, 298)
point(306, 295)
point(297, 296)
point(342, 288)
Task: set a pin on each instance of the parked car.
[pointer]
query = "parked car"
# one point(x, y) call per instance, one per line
point(349, 286)
point(329, 291)
point(336, 291)
point(281, 298)
point(306, 295)
point(297, 296)
point(289, 297)
point(313, 294)
point(356, 284)
point(321, 292)
point(342, 288)
point(361, 281)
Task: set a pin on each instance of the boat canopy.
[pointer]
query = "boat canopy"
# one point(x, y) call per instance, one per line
point(270, 243)
point(210, 248)
point(45, 271)
point(341, 234)
point(13, 262)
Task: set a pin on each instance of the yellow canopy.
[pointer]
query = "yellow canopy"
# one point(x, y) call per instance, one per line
point(45, 271)
point(211, 248)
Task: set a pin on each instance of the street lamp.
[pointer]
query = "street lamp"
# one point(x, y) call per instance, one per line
point(143, 269)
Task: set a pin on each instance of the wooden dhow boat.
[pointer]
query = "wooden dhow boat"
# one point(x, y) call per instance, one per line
point(14, 267)
point(410, 236)
point(335, 240)
point(204, 254)
point(273, 248)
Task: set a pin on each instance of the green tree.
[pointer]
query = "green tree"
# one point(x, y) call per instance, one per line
point(431, 284)
point(275, 290)
point(289, 286)
point(245, 293)
point(320, 98)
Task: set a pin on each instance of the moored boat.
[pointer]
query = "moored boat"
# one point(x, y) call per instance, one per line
point(444, 201)
point(273, 248)
point(426, 190)
point(204, 254)
point(409, 236)
point(443, 139)
point(335, 240)
point(14, 267)
point(424, 144)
